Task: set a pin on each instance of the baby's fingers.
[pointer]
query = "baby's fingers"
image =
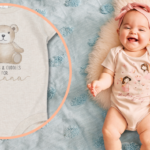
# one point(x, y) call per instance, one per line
point(93, 92)
point(89, 86)
point(96, 91)
point(93, 84)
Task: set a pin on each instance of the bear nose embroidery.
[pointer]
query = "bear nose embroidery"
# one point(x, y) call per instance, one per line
point(3, 35)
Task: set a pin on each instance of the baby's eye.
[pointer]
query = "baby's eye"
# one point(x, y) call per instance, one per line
point(8, 32)
point(127, 28)
point(141, 30)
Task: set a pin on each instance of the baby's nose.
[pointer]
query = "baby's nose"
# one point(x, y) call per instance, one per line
point(133, 31)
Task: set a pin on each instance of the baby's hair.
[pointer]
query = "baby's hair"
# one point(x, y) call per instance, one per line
point(147, 69)
point(126, 77)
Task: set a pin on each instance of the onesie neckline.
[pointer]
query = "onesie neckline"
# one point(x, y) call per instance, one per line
point(135, 57)
point(10, 9)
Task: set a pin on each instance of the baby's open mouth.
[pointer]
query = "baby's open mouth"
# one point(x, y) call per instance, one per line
point(132, 39)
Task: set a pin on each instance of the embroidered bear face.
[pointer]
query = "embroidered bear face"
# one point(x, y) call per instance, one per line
point(7, 33)
point(9, 50)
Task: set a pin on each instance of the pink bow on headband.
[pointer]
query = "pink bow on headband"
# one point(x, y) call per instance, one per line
point(142, 8)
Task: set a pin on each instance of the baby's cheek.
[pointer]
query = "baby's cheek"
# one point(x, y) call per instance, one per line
point(123, 36)
point(144, 38)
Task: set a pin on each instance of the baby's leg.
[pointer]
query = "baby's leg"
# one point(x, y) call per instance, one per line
point(143, 129)
point(113, 127)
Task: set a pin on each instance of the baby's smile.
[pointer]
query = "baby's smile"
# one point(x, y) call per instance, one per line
point(132, 39)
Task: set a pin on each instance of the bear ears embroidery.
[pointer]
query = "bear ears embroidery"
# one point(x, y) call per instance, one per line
point(14, 27)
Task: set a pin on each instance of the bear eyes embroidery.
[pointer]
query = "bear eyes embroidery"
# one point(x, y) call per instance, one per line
point(8, 32)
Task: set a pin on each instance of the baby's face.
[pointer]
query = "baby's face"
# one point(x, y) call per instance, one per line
point(134, 33)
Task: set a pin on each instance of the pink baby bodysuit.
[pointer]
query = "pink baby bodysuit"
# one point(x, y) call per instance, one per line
point(130, 91)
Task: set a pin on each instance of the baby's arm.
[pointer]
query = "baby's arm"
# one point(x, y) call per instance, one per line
point(105, 81)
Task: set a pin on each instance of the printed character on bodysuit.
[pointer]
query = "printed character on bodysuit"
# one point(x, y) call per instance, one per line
point(145, 68)
point(125, 85)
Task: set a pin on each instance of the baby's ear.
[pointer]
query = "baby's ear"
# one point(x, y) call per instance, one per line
point(149, 42)
point(117, 31)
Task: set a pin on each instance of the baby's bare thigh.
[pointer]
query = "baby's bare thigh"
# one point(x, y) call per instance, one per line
point(114, 121)
point(144, 124)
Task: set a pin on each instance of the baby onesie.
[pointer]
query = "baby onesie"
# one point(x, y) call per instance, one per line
point(130, 90)
point(24, 70)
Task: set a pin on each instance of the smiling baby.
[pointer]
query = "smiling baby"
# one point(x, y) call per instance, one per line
point(126, 69)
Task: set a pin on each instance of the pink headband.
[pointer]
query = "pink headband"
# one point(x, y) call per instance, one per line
point(142, 8)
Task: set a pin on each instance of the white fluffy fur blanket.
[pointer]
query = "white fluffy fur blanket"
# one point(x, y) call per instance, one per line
point(108, 39)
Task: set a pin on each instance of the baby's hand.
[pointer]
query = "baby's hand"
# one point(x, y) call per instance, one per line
point(94, 87)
